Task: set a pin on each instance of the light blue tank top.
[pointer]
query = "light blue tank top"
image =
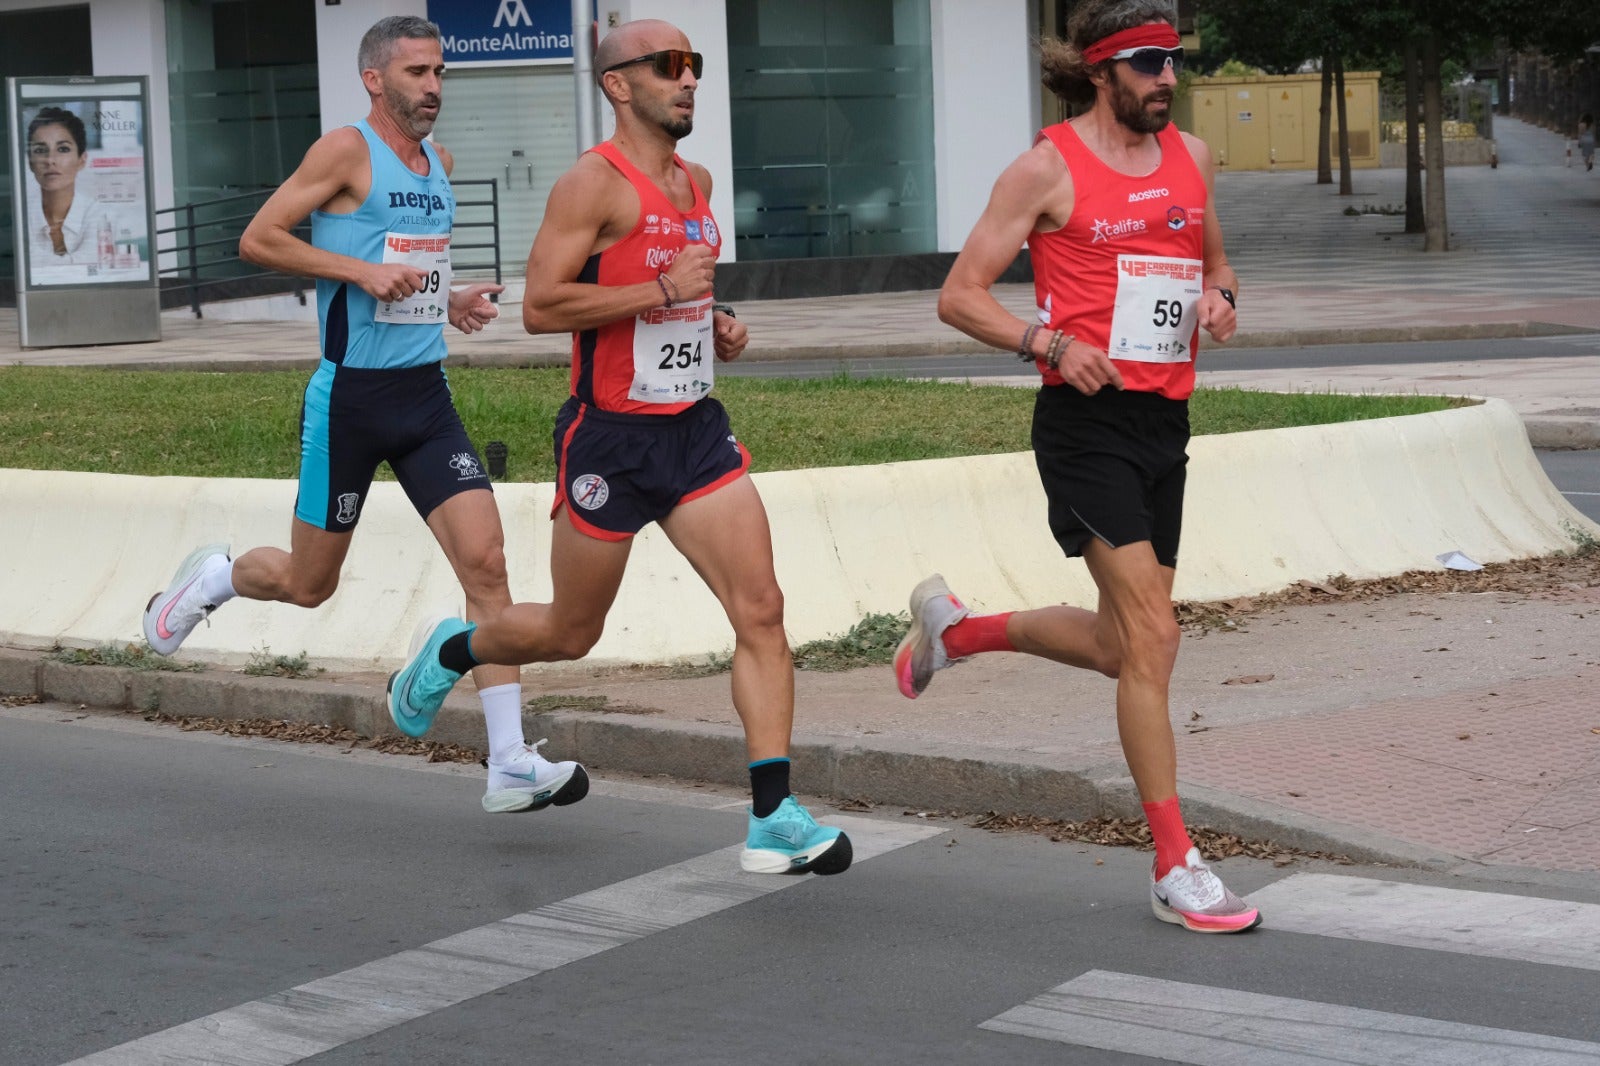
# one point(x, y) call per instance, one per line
point(401, 202)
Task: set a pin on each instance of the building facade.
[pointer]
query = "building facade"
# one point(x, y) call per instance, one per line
point(832, 128)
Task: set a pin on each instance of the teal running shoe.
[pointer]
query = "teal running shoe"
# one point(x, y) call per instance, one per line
point(418, 689)
point(789, 841)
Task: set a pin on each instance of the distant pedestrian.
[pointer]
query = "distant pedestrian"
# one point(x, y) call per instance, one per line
point(1586, 139)
point(1117, 211)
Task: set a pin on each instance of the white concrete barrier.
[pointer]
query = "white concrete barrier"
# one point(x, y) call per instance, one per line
point(81, 553)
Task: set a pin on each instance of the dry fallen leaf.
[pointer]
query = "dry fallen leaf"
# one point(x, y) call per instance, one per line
point(1249, 679)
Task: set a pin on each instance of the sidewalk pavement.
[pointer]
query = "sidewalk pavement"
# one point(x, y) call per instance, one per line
point(1456, 731)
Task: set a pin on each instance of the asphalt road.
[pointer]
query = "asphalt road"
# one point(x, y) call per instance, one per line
point(176, 894)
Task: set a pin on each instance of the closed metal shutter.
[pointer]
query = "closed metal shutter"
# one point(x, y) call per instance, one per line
point(513, 125)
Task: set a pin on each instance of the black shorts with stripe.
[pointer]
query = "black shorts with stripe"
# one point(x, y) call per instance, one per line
point(617, 473)
point(354, 419)
point(1113, 467)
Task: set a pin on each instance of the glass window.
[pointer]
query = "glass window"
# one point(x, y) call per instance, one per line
point(242, 78)
point(832, 127)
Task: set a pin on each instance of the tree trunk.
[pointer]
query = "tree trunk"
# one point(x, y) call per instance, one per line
point(1325, 126)
point(1437, 230)
point(1414, 213)
point(1345, 188)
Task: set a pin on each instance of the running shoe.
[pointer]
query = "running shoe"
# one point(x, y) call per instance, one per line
point(530, 782)
point(1195, 898)
point(417, 690)
point(934, 609)
point(171, 616)
point(789, 841)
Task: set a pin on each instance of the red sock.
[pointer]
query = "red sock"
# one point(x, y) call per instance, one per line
point(975, 633)
point(1171, 838)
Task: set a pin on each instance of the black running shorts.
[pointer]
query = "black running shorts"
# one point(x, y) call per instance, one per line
point(617, 473)
point(354, 418)
point(1113, 467)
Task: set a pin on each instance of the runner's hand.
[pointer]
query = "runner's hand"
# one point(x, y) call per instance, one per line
point(470, 306)
point(388, 282)
point(1088, 369)
point(692, 273)
point(729, 336)
point(1217, 316)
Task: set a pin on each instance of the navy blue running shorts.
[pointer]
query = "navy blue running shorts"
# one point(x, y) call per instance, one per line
point(617, 473)
point(1113, 467)
point(354, 418)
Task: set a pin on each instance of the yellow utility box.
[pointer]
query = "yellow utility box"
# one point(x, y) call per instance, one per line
point(1265, 121)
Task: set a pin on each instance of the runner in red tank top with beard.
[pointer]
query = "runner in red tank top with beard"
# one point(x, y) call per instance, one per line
point(1116, 208)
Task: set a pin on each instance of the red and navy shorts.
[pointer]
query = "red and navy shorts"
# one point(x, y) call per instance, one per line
point(1113, 467)
point(617, 473)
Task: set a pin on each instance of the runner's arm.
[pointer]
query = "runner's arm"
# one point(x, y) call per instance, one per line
point(587, 203)
point(1021, 195)
point(322, 175)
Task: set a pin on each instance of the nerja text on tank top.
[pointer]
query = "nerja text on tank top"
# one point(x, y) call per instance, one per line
point(406, 218)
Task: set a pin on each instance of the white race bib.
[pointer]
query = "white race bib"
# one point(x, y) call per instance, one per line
point(674, 359)
point(429, 253)
point(1155, 311)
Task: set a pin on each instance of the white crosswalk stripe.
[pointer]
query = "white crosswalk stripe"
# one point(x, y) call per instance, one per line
point(1442, 919)
point(326, 1013)
point(1215, 1026)
point(1219, 1027)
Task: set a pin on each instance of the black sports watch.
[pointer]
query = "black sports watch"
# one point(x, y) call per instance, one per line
point(1227, 294)
point(725, 309)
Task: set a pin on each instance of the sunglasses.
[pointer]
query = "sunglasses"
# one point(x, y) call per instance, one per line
point(1152, 61)
point(668, 64)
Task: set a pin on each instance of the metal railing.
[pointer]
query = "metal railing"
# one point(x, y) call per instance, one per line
point(198, 243)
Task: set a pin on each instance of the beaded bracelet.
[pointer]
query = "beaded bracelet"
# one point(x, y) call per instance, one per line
point(661, 280)
point(1058, 348)
point(1025, 349)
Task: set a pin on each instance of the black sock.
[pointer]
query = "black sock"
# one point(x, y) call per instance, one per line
point(456, 653)
point(769, 785)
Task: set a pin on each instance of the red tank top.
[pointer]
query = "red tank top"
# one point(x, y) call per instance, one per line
point(661, 361)
point(1126, 271)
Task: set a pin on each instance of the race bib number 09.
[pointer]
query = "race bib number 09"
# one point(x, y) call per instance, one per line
point(429, 253)
point(1155, 314)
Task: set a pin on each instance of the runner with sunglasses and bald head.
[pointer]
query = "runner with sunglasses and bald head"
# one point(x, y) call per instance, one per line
point(624, 259)
point(1115, 207)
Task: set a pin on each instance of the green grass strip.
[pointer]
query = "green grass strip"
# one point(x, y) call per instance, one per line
point(247, 424)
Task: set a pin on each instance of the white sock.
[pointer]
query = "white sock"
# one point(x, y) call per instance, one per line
point(502, 717)
point(217, 585)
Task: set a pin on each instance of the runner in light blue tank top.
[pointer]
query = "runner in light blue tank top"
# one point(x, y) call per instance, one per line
point(378, 195)
point(406, 217)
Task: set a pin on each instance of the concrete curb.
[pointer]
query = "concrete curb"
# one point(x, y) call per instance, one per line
point(1556, 432)
point(922, 777)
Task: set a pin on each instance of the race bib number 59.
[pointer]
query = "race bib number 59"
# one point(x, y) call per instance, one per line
point(1155, 313)
point(429, 253)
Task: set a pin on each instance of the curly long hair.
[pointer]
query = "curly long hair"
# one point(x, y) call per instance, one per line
point(1062, 67)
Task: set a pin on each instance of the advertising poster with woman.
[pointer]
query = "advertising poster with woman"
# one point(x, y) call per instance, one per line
point(83, 205)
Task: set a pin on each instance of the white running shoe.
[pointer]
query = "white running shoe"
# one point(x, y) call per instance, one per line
point(530, 782)
point(934, 609)
point(171, 616)
point(1195, 898)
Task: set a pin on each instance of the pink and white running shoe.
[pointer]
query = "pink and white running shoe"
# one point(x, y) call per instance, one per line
point(934, 609)
point(172, 614)
point(1195, 898)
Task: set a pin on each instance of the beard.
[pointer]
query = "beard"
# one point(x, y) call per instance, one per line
point(409, 112)
point(1131, 110)
point(678, 128)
